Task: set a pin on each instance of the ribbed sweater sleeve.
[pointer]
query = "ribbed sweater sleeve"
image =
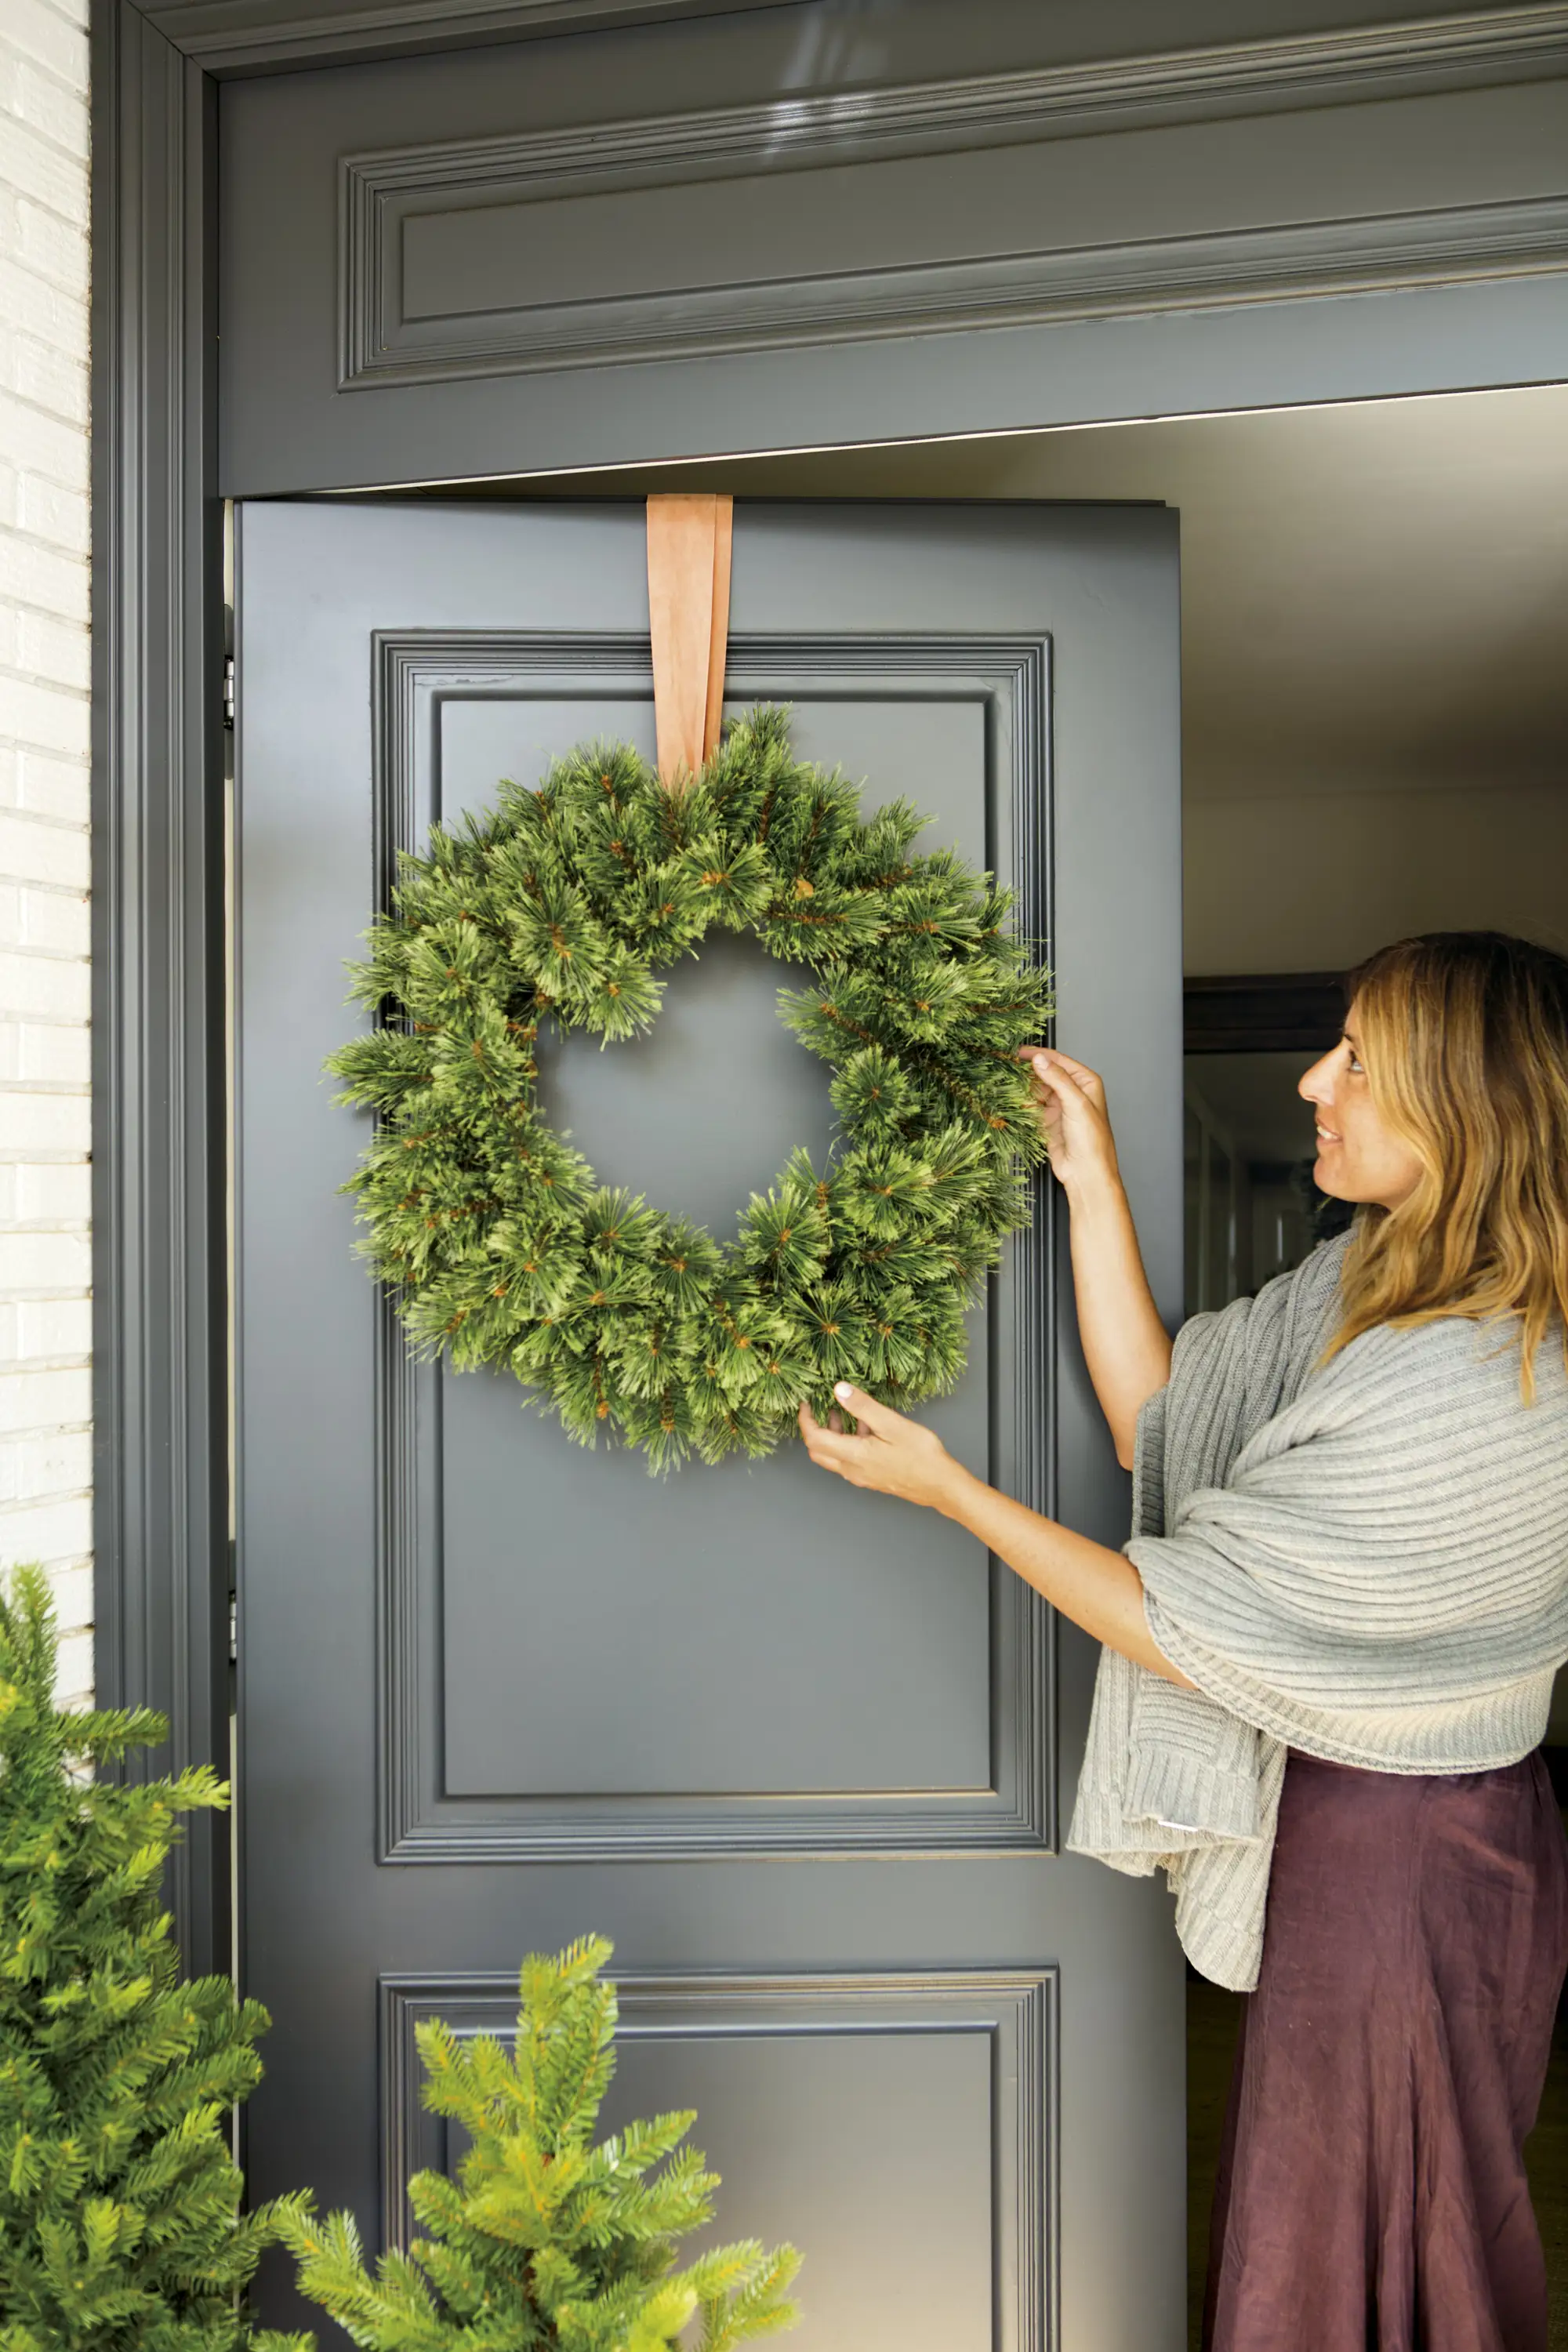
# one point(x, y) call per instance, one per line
point(1380, 1578)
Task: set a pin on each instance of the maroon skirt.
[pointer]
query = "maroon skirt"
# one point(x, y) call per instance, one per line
point(1372, 2194)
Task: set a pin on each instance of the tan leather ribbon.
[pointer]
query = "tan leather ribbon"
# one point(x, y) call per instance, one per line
point(688, 615)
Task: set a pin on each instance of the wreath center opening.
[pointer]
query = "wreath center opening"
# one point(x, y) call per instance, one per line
point(702, 1110)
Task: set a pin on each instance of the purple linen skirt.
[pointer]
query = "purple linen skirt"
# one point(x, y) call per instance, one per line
point(1372, 2193)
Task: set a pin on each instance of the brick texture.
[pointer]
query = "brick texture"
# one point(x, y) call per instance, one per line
point(45, 1391)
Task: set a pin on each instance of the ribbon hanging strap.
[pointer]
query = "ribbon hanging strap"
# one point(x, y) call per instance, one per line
point(688, 615)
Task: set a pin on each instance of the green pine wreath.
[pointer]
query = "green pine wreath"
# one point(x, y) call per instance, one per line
point(565, 901)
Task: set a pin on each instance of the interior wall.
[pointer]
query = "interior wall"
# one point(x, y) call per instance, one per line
point(1314, 882)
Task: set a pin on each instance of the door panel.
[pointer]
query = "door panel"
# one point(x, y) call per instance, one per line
point(922, 2099)
point(803, 1753)
point(826, 1664)
point(815, 1676)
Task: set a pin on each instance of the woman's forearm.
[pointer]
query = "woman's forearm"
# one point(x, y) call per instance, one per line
point(1124, 1342)
point(1098, 1589)
point(1126, 1346)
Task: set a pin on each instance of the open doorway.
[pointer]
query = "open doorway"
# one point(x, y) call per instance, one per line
point(1417, 779)
point(1375, 742)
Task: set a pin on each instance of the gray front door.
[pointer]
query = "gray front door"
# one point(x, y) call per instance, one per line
point(806, 1754)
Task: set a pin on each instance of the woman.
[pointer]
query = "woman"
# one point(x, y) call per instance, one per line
point(1329, 1647)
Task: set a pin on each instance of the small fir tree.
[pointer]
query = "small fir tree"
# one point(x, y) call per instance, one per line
point(546, 2239)
point(120, 2228)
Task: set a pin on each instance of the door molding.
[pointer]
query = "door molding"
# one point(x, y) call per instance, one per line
point(160, 1118)
point(160, 1253)
point(385, 340)
point(381, 343)
point(1017, 2010)
point(413, 672)
point(238, 36)
point(1375, 60)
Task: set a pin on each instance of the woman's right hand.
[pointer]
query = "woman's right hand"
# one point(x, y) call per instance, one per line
point(1069, 1103)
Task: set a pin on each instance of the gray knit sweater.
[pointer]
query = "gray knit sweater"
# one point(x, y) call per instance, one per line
point(1366, 1560)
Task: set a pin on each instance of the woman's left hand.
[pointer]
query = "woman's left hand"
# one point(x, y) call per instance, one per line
point(891, 1455)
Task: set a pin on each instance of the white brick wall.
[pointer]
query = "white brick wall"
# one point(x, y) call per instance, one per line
point(46, 1497)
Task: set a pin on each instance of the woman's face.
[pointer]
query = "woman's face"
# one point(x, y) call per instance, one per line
point(1359, 1156)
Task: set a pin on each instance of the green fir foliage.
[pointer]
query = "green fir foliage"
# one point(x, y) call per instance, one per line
point(544, 2239)
point(563, 904)
point(120, 2228)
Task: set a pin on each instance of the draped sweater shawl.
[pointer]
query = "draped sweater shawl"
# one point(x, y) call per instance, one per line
point(1365, 1559)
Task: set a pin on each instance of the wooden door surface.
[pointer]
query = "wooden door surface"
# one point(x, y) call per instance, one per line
point(806, 1754)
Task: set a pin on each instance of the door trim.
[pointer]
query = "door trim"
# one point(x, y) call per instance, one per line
point(413, 672)
point(1376, 60)
point(379, 345)
point(245, 36)
point(1017, 2011)
point(159, 944)
point(160, 1253)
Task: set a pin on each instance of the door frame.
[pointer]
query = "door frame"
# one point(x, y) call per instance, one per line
point(162, 1405)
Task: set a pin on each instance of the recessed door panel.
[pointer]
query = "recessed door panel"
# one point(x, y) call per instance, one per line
point(901, 2109)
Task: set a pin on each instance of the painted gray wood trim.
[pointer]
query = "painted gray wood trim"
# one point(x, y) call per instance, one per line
point(237, 36)
point(229, 37)
point(1017, 2008)
point(378, 346)
point(382, 189)
point(1019, 1812)
point(158, 1207)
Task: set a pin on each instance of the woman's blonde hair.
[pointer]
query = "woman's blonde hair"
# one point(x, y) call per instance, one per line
point(1464, 1038)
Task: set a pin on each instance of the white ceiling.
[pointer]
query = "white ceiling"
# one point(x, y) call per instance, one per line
point(1374, 596)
